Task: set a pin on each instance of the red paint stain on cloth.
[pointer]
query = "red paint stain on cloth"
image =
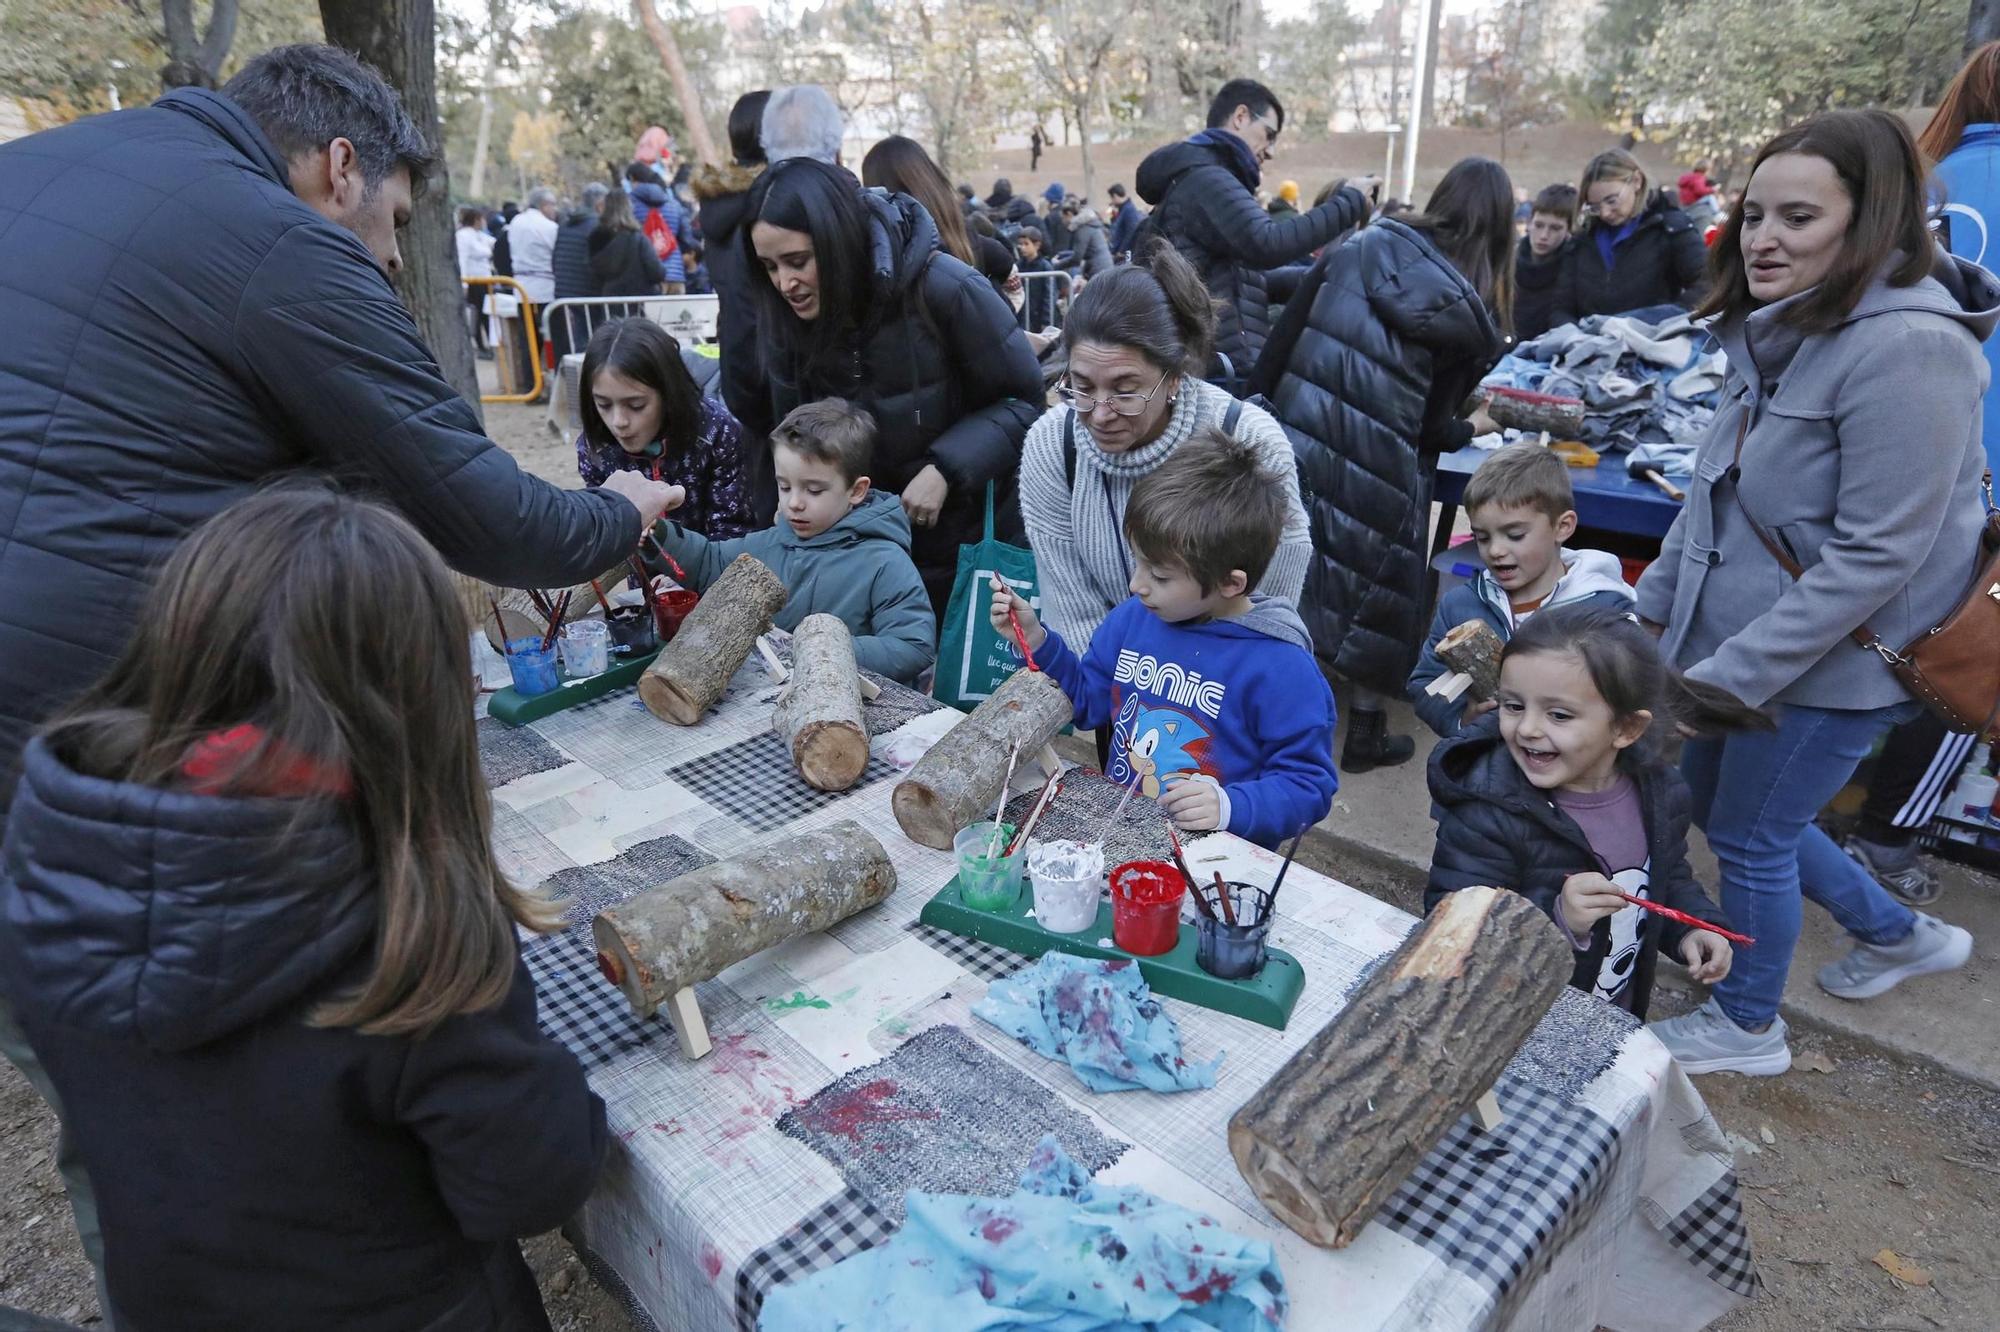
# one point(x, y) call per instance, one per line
point(849, 1114)
point(711, 1261)
point(1218, 1283)
point(998, 1228)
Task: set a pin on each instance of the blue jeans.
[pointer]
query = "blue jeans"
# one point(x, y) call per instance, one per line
point(1755, 795)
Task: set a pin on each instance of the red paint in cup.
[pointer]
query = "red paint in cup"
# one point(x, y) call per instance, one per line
point(670, 608)
point(1146, 906)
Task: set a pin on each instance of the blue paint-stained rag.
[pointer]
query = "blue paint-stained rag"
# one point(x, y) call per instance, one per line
point(1101, 1017)
point(1061, 1254)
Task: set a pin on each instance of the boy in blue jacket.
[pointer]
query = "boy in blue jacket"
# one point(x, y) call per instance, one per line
point(1220, 712)
point(1521, 508)
point(838, 546)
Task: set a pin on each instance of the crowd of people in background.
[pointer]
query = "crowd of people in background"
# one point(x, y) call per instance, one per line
point(1215, 420)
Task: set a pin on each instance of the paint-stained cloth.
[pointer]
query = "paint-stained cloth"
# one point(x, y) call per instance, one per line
point(1101, 1017)
point(1062, 1253)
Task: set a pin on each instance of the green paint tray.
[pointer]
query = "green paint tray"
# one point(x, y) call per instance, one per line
point(519, 709)
point(1267, 998)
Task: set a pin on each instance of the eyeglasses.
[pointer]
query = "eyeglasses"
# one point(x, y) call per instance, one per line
point(1125, 404)
point(1270, 130)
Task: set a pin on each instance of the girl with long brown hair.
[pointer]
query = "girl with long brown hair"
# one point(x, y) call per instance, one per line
point(252, 924)
point(901, 166)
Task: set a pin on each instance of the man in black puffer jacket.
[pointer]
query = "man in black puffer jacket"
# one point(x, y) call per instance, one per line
point(200, 303)
point(1204, 197)
point(1366, 371)
point(574, 277)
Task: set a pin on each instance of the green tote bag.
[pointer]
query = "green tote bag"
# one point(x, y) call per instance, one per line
point(973, 660)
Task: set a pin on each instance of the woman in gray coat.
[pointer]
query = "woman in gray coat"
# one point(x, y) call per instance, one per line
point(1850, 433)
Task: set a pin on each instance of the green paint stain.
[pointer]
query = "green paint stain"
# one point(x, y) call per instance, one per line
point(800, 999)
point(847, 994)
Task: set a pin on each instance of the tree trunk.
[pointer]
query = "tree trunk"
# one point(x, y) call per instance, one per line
point(1083, 137)
point(684, 90)
point(399, 38)
point(819, 714)
point(1339, 1126)
point(496, 21)
point(691, 928)
point(1473, 649)
point(1982, 24)
point(958, 779)
point(196, 62)
point(718, 636)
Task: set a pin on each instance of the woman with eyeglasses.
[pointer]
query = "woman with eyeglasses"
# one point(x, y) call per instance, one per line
point(860, 301)
point(1636, 247)
point(1136, 340)
point(1369, 368)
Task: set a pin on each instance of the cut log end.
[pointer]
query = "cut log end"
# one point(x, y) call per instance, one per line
point(831, 755)
point(621, 968)
point(664, 699)
point(921, 817)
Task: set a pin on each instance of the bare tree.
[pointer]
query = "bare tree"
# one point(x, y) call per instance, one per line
point(663, 41)
point(1071, 44)
point(1982, 24)
point(196, 61)
point(399, 37)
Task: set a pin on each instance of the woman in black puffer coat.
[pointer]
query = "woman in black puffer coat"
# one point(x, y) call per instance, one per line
point(860, 302)
point(1387, 336)
point(1636, 247)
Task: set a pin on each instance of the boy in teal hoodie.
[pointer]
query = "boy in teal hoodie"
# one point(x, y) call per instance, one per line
point(1218, 709)
point(838, 546)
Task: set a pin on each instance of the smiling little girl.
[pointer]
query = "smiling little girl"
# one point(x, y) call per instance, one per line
point(1561, 796)
point(642, 412)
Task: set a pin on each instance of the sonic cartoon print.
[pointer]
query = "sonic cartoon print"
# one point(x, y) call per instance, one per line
point(1156, 743)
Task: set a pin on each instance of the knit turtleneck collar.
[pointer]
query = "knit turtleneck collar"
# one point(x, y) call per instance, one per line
point(1138, 462)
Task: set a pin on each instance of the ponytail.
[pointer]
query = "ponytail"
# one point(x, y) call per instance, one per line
point(1156, 305)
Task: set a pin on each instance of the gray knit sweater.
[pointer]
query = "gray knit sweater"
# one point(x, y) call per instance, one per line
point(1079, 541)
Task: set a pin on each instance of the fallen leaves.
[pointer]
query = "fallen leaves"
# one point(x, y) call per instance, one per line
point(1812, 1061)
point(1902, 1269)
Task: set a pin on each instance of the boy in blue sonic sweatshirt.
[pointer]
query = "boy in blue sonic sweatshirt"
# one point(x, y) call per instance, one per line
point(1521, 508)
point(838, 546)
point(1219, 710)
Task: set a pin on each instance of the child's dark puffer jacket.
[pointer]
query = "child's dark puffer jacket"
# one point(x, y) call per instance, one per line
point(1496, 829)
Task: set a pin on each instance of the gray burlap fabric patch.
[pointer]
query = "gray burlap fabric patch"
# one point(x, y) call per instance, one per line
point(509, 753)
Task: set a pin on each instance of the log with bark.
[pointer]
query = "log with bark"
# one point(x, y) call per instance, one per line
point(666, 939)
point(717, 636)
point(819, 713)
point(1472, 651)
point(957, 780)
point(1335, 1130)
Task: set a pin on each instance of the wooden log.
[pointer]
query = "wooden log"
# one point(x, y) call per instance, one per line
point(1518, 409)
point(1474, 649)
point(1335, 1130)
point(956, 781)
point(666, 939)
point(819, 713)
point(717, 636)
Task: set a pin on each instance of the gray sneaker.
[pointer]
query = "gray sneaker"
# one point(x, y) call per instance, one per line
point(1708, 1041)
point(1897, 869)
point(1873, 969)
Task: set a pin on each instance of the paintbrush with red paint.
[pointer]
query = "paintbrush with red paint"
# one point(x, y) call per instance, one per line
point(645, 586)
point(602, 600)
point(1222, 896)
point(1194, 889)
point(498, 623)
point(1685, 919)
point(672, 563)
point(1021, 638)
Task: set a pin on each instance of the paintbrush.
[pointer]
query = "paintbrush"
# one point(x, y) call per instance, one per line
point(1043, 800)
point(498, 623)
point(1271, 899)
point(1020, 638)
point(541, 600)
point(645, 585)
point(1000, 805)
point(556, 621)
point(679, 573)
point(1685, 919)
point(602, 600)
point(1124, 800)
point(1222, 896)
point(1180, 863)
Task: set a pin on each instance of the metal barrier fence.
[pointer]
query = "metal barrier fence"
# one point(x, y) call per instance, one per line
point(1057, 298)
point(504, 364)
point(568, 323)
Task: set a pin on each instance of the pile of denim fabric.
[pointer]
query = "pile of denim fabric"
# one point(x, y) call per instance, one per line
point(1649, 379)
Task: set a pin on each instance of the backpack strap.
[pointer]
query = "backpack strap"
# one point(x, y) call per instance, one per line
point(1232, 416)
point(1069, 448)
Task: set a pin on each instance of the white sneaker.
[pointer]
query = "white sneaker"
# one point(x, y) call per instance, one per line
point(1708, 1041)
point(1873, 969)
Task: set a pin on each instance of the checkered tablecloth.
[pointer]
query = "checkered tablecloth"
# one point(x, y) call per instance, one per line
point(847, 1068)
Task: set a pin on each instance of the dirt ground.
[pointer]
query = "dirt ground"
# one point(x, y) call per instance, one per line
point(1837, 1166)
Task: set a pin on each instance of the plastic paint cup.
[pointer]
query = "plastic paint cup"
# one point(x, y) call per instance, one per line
point(586, 648)
point(532, 666)
point(631, 630)
point(670, 608)
point(1234, 952)
point(1146, 906)
point(1068, 879)
point(987, 880)
point(1975, 797)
